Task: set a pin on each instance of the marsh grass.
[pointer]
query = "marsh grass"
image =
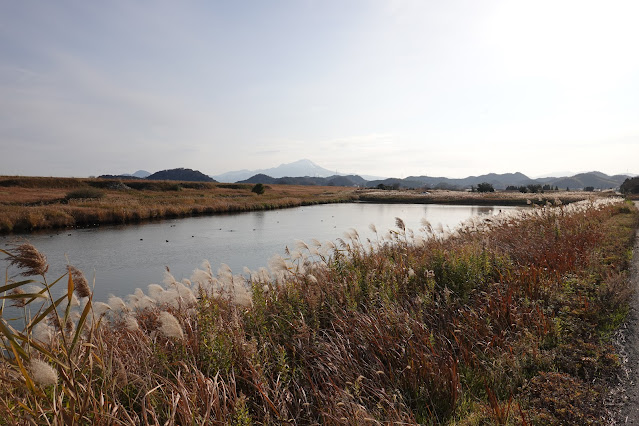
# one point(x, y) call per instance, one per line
point(500, 322)
point(29, 203)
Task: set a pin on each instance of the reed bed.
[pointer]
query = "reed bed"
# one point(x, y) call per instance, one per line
point(506, 320)
point(30, 204)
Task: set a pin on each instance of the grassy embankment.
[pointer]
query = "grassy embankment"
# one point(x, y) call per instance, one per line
point(31, 203)
point(507, 321)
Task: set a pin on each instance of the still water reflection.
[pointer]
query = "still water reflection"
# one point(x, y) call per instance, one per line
point(122, 258)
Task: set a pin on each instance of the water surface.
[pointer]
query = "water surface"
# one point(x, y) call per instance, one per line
point(121, 258)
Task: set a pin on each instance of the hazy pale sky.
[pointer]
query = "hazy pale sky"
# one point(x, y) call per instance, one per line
point(390, 88)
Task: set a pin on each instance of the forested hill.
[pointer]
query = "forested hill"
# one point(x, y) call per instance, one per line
point(180, 174)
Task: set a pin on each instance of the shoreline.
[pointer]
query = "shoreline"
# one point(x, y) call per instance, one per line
point(156, 219)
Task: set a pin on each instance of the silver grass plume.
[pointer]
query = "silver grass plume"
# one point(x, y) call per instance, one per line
point(27, 257)
point(170, 326)
point(43, 373)
point(80, 284)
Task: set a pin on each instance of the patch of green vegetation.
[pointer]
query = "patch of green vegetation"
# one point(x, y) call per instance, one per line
point(84, 193)
point(258, 189)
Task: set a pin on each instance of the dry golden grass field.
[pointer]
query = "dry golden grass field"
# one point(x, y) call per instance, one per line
point(32, 203)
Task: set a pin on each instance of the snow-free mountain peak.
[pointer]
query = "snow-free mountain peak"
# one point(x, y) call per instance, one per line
point(141, 174)
point(302, 167)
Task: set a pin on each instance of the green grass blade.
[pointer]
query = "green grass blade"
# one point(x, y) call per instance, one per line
point(81, 322)
point(33, 296)
point(6, 331)
point(23, 370)
point(56, 281)
point(11, 286)
point(38, 347)
point(69, 295)
point(46, 312)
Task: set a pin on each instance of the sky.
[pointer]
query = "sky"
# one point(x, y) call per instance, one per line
point(388, 88)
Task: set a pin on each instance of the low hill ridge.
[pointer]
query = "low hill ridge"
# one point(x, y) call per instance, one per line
point(179, 174)
point(188, 175)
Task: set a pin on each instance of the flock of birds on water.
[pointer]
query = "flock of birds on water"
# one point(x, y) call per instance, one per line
point(173, 226)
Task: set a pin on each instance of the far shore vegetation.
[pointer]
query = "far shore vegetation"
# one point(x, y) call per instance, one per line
point(33, 203)
point(40, 203)
point(508, 322)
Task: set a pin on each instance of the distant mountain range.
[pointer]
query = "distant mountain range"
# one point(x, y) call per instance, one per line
point(596, 180)
point(305, 172)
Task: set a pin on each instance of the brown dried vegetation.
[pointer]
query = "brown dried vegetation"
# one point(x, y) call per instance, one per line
point(31, 203)
point(500, 323)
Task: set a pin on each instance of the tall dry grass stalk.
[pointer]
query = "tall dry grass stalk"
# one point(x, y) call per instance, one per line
point(26, 257)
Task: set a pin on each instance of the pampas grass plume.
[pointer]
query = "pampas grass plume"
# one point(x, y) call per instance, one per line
point(145, 302)
point(155, 290)
point(278, 264)
point(80, 283)
point(27, 257)
point(43, 373)
point(100, 308)
point(43, 332)
point(131, 323)
point(169, 279)
point(225, 274)
point(242, 296)
point(116, 303)
point(170, 326)
point(185, 293)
